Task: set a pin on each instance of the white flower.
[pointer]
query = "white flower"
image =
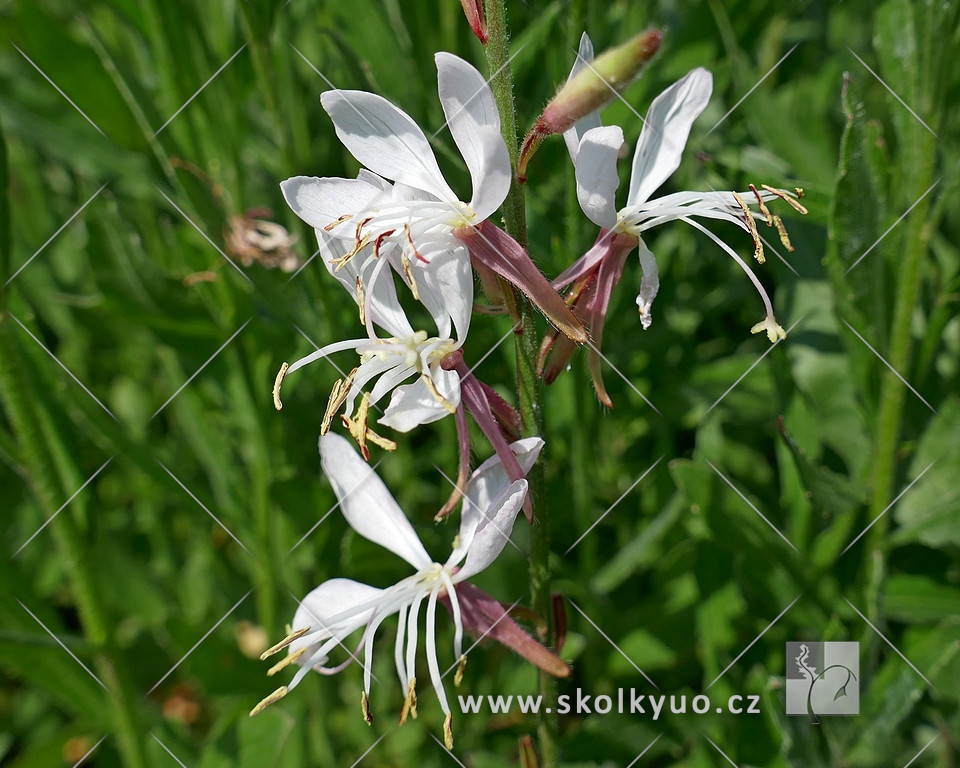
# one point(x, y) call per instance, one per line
point(339, 607)
point(416, 219)
point(657, 155)
point(447, 291)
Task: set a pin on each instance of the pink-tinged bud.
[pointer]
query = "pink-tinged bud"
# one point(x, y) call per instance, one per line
point(594, 86)
point(473, 10)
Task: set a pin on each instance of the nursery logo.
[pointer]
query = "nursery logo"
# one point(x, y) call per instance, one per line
point(823, 679)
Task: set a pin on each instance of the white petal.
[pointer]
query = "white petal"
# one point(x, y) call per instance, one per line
point(486, 484)
point(386, 140)
point(490, 171)
point(597, 179)
point(573, 134)
point(382, 304)
point(350, 600)
point(414, 404)
point(665, 132)
point(474, 123)
point(366, 503)
point(449, 276)
point(494, 530)
point(320, 202)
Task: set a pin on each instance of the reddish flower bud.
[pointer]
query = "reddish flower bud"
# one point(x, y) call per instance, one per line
point(594, 86)
point(473, 10)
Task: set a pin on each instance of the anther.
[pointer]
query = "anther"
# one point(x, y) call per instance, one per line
point(752, 224)
point(361, 300)
point(782, 231)
point(284, 643)
point(786, 198)
point(286, 661)
point(334, 224)
point(458, 677)
point(273, 697)
point(763, 206)
point(365, 707)
point(448, 730)
point(277, 383)
point(432, 386)
point(410, 702)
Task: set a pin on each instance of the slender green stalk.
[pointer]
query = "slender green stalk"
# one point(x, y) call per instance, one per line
point(892, 391)
point(528, 383)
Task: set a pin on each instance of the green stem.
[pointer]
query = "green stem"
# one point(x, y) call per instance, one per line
point(528, 383)
point(892, 391)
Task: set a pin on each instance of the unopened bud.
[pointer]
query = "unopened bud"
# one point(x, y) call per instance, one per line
point(594, 86)
point(473, 10)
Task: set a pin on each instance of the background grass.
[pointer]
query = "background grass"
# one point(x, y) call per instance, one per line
point(682, 574)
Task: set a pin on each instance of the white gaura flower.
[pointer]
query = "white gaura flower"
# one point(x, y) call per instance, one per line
point(402, 352)
point(419, 216)
point(594, 150)
point(339, 607)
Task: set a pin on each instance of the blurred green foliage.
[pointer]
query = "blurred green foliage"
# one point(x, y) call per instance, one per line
point(682, 574)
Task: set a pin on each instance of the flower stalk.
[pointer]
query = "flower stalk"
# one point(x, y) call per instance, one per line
point(528, 383)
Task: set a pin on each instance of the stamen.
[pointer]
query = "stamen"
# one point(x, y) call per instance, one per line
point(284, 643)
point(786, 198)
point(273, 697)
point(365, 707)
point(338, 396)
point(277, 383)
point(286, 662)
point(432, 386)
point(458, 677)
point(448, 730)
point(763, 206)
point(334, 224)
point(752, 224)
point(361, 433)
point(413, 247)
point(378, 242)
point(410, 702)
point(360, 300)
point(405, 262)
point(782, 231)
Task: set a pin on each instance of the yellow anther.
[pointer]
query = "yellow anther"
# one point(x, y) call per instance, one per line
point(277, 383)
point(410, 702)
point(782, 231)
point(361, 300)
point(763, 206)
point(458, 677)
point(786, 198)
point(286, 661)
point(273, 697)
point(338, 396)
point(752, 224)
point(448, 730)
point(332, 225)
point(284, 643)
point(365, 708)
point(431, 385)
point(361, 433)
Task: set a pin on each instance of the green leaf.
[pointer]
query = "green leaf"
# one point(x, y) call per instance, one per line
point(919, 598)
point(929, 513)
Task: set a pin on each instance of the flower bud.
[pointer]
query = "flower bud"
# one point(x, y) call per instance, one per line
point(594, 86)
point(473, 10)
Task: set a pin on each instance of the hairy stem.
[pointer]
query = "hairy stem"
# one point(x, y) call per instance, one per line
point(528, 383)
